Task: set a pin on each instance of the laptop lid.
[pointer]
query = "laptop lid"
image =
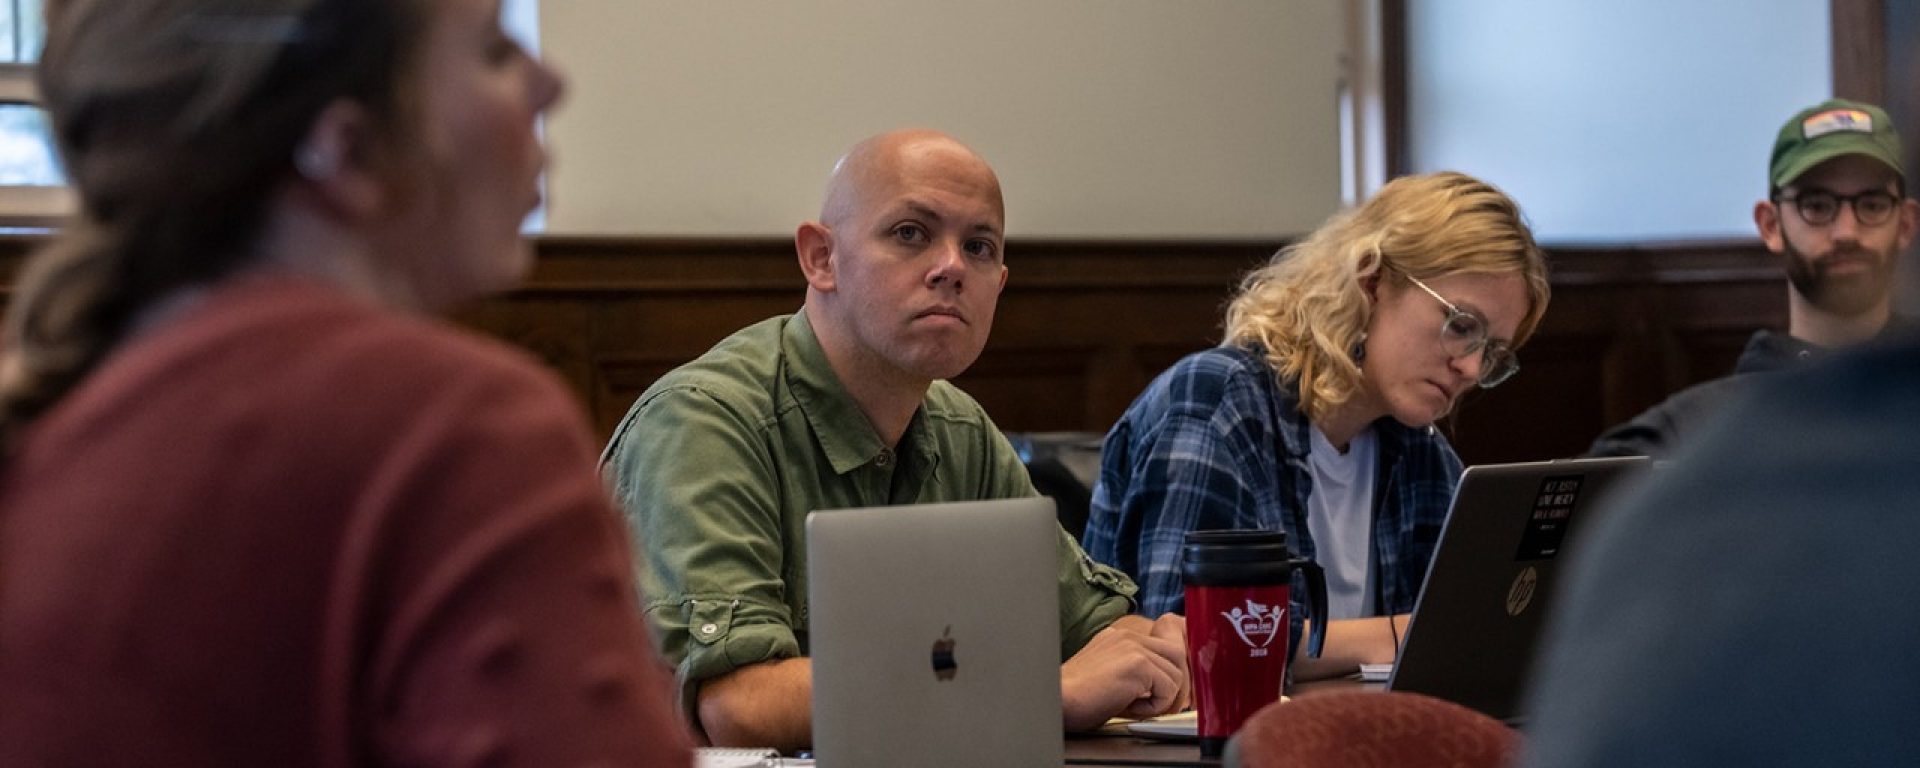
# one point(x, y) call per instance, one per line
point(1494, 575)
point(935, 634)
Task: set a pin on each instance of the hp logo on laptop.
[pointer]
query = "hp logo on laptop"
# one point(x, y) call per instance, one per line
point(1520, 595)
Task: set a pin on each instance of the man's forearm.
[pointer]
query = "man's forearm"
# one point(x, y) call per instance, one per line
point(1350, 643)
point(769, 704)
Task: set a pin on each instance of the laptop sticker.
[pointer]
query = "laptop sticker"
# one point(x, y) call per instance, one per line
point(1552, 510)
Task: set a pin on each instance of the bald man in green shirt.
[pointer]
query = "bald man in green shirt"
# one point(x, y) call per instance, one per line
point(845, 404)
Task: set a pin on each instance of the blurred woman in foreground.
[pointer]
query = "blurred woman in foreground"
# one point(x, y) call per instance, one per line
point(257, 507)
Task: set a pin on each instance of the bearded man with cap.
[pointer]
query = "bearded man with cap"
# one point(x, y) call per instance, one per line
point(1838, 215)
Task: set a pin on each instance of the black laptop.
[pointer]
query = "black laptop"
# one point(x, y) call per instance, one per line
point(1493, 577)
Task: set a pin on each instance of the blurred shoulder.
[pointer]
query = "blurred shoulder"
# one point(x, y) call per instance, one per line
point(309, 346)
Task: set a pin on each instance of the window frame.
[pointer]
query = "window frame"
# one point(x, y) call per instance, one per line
point(29, 206)
point(33, 207)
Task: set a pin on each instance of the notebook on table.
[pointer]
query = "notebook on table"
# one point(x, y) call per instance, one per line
point(1494, 576)
point(736, 757)
point(935, 634)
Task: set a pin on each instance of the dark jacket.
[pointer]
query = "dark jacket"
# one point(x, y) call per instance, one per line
point(1746, 607)
point(1660, 430)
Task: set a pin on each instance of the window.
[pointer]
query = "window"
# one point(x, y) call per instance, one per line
point(522, 20)
point(1625, 121)
point(32, 188)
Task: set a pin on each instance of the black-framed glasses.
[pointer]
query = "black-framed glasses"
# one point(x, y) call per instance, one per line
point(1464, 333)
point(1818, 207)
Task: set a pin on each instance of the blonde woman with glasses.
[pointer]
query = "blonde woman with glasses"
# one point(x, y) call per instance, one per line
point(1315, 415)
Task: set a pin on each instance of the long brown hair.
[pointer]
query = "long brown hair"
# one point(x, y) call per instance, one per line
point(176, 119)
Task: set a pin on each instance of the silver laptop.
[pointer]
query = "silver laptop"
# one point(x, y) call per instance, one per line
point(1493, 577)
point(935, 635)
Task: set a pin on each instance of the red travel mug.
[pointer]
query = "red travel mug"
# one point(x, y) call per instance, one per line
point(1237, 588)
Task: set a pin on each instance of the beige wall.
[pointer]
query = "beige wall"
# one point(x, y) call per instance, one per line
point(1105, 118)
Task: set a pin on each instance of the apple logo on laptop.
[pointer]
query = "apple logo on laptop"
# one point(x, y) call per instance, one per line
point(943, 664)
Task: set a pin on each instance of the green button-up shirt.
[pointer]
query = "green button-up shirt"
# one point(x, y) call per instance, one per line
point(719, 462)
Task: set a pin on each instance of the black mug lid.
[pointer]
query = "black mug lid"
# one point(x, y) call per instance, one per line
point(1237, 558)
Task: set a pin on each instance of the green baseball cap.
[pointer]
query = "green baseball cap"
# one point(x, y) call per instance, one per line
point(1828, 130)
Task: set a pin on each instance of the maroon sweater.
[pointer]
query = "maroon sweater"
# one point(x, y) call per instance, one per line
point(289, 528)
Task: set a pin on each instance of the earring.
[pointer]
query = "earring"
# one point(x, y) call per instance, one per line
point(315, 163)
point(1359, 349)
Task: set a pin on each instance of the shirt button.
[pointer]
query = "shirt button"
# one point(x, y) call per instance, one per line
point(709, 628)
point(884, 460)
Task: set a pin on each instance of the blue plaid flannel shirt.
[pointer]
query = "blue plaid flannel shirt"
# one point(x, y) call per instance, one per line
point(1217, 442)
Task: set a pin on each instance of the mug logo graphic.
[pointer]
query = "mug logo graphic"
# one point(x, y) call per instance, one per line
point(943, 663)
point(1257, 625)
point(1520, 595)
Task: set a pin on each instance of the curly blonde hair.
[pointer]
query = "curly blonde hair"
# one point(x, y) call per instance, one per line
point(1308, 307)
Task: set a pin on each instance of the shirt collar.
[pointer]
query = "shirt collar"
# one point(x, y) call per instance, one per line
point(1296, 432)
point(839, 426)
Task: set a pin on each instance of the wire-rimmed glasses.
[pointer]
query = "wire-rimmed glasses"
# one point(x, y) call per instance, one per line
point(1464, 333)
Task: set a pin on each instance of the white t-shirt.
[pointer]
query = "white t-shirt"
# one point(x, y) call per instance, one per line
point(1340, 520)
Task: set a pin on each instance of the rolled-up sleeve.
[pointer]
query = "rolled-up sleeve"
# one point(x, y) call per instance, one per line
point(1092, 596)
point(698, 489)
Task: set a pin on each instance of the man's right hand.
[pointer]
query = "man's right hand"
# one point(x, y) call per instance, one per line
point(1133, 668)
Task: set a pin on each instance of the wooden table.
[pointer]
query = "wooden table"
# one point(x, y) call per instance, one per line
point(1113, 746)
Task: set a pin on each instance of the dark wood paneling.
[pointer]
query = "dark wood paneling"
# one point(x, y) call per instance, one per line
point(1859, 49)
point(1393, 86)
point(1627, 327)
point(1083, 326)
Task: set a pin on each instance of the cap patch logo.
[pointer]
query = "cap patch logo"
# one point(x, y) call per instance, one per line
point(1834, 121)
